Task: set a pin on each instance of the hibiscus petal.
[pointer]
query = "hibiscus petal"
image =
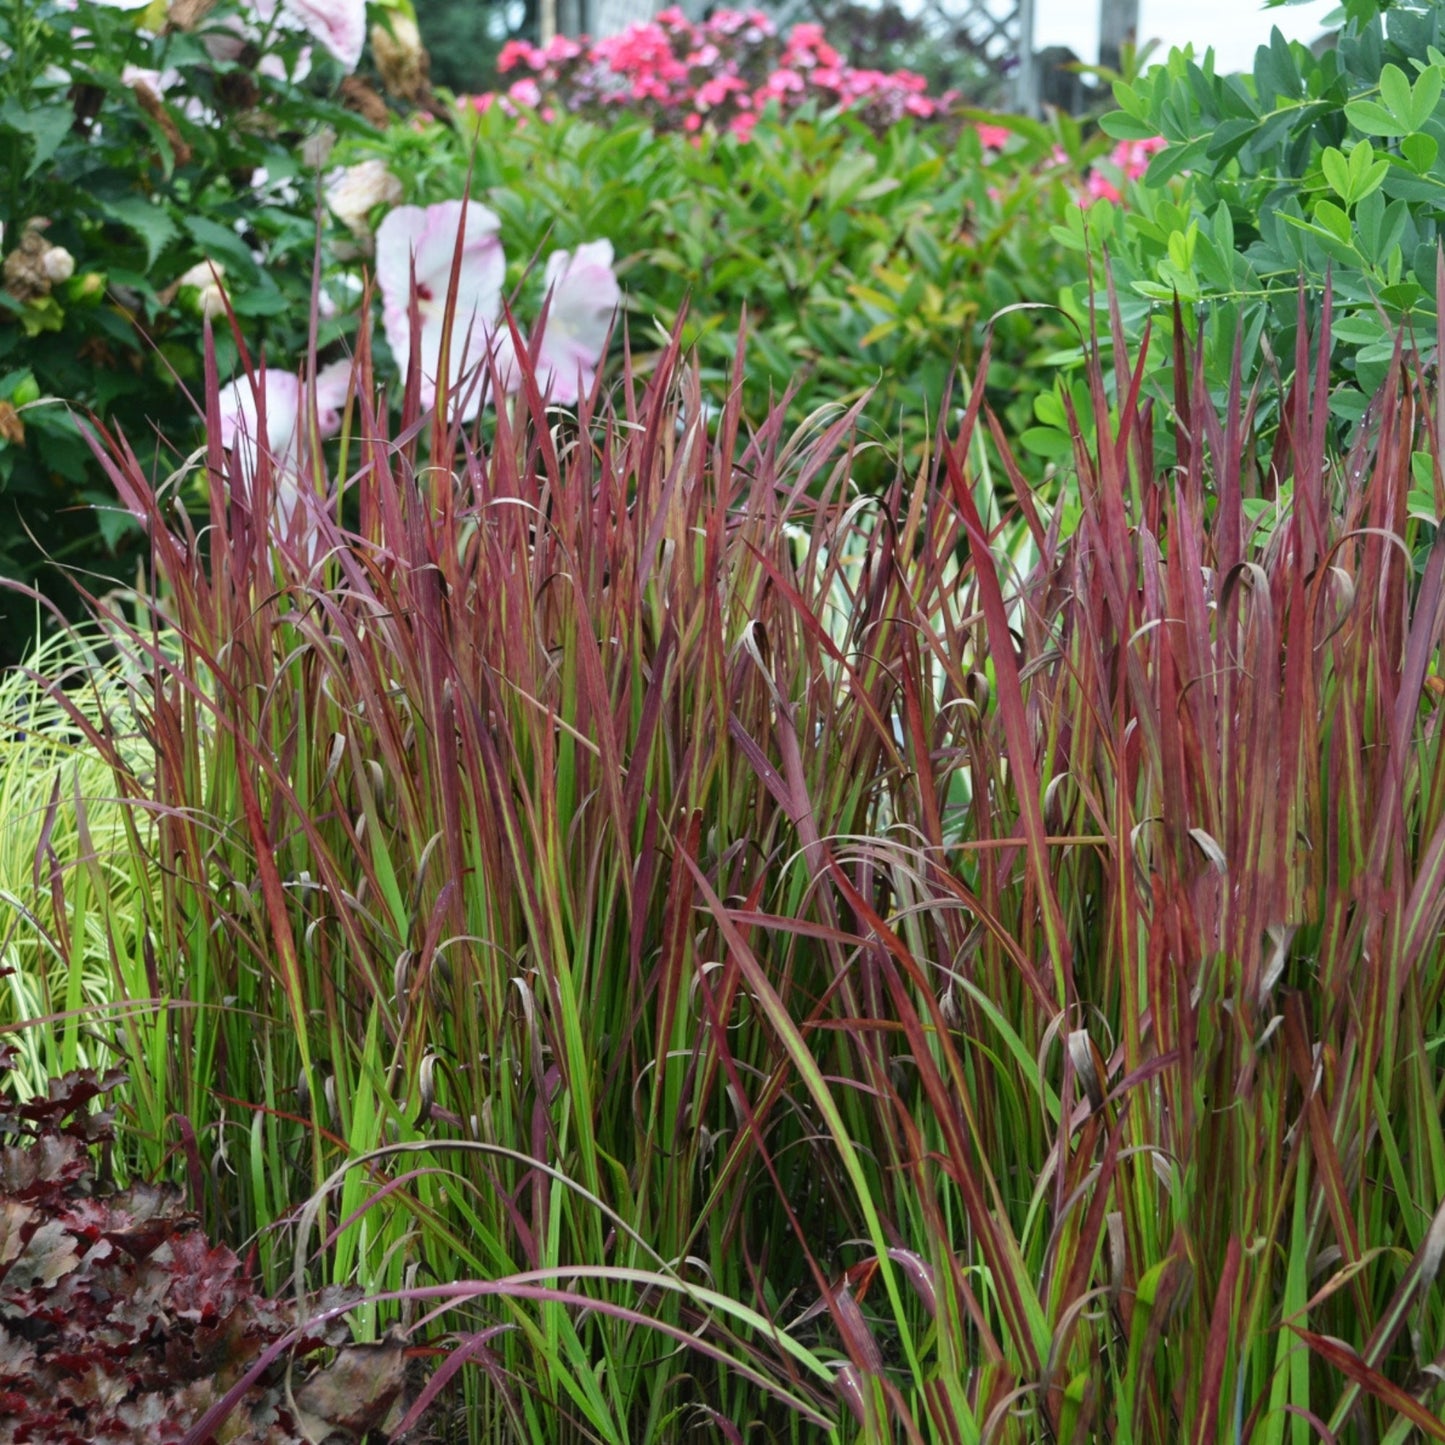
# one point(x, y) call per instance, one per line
point(332, 385)
point(437, 243)
point(240, 410)
point(427, 240)
point(396, 241)
point(339, 25)
point(585, 297)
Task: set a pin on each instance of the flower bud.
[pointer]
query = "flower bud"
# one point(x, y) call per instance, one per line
point(88, 286)
point(205, 278)
point(352, 194)
point(58, 265)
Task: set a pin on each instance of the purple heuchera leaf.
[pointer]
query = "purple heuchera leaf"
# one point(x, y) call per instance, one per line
point(120, 1321)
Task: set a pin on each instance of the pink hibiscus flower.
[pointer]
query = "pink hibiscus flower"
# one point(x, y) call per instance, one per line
point(427, 238)
point(339, 25)
point(283, 397)
point(585, 297)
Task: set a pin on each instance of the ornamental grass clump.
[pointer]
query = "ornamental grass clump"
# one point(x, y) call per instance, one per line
point(713, 955)
point(68, 906)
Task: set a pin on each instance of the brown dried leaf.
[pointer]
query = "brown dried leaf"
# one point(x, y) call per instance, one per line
point(358, 96)
point(356, 1392)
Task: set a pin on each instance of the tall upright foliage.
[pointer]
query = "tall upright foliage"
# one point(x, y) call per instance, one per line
point(637, 892)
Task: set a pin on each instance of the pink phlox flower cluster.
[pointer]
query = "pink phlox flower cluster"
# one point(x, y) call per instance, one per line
point(807, 49)
point(780, 84)
point(994, 137)
point(715, 92)
point(642, 50)
point(732, 22)
point(520, 52)
point(1129, 160)
point(716, 74)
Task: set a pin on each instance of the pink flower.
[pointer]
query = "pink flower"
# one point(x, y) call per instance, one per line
point(806, 48)
point(283, 397)
point(782, 83)
point(427, 238)
point(994, 137)
point(339, 25)
point(1101, 188)
point(526, 92)
point(519, 52)
point(716, 91)
point(561, 48)
point(1132, 156)
point(727, 22)
point(333, 383)
point(585, 297)
point(280, 392)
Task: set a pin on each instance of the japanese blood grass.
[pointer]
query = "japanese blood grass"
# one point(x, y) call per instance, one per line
point(425, 801)
point(979, 1006)
point(1132, 1059)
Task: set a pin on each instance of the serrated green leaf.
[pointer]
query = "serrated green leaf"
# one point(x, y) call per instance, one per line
point(152, 223)
point(221, 243)
point(46, 127)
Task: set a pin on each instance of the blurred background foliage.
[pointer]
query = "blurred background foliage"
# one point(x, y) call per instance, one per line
point(464, 37)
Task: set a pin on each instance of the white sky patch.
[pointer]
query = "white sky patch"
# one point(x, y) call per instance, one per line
point(1235, 28)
